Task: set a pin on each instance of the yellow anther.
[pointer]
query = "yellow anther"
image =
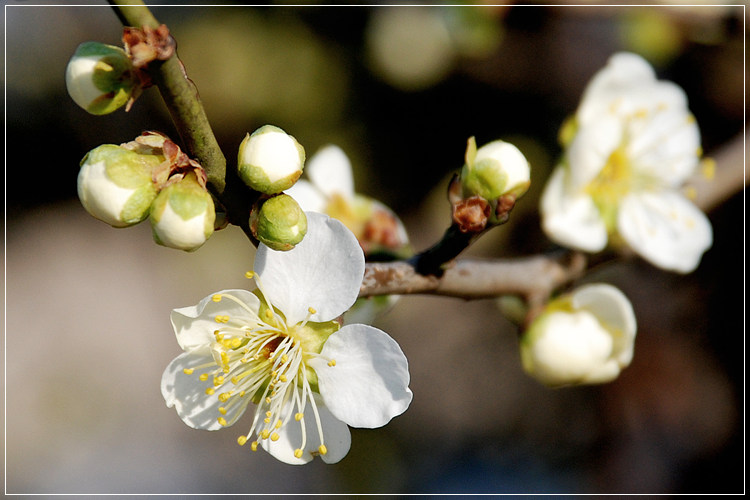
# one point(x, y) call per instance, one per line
point(265, 433)
point(279, 423)
point(222, 410)
point(242, 440)
point(284, 358)
point(218, 318)
point(203, 377)
point(222, 421)
point(322, 449)
point(249, 275)
point(269, 314)
point(224, 397)
point(242, 394)
point(235, 380)
point(708, 168)
point(283, 378)
point(332, 362)
point(210, 391)
point(216, 297)
point(254, 446)
point(274, 437)
point(268, 413)
point(224, 358)
point(298, 416)
point(188, 371)
point(218, 380)
point(311, 310)
point(298, 453)
point(266, 420)
point(236, 342)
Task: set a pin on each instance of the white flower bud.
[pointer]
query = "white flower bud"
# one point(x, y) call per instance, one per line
point(183, 215)
point(280, 223)
point(496, 169)
point(270, 160)
point(100, 78)
point(115, 185)
point(585, 337)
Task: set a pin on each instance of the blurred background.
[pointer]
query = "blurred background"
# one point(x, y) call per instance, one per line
point(400, 89)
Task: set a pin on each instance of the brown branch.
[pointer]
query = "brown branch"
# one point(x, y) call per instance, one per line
point(475, 279)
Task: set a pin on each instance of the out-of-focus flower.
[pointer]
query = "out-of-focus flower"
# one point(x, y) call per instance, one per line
point(585, 337)
point(116, 186)
point(100, 78)
point(280, 351)
point(330, 190)
point(270, 160)
point(280, 223)
point(182, 215)
point(630, 147)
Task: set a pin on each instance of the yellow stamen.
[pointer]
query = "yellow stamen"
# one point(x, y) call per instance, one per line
point(222, 421)
point(322, 449)
point(210, 391)
point(222, 410)
point(332, 362)
point(242, 440)
point(274, 437)
point(249, 275)
point(203, 377)
point(298, 453)
point(216, 297)
point(254, 446)
point(265, 433)
point(188, 371)
point(311, 310)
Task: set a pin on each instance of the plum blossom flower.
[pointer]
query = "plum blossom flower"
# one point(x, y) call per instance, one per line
point(584, 337)
point(630, 147)
point(330, 190)
point(281, 352)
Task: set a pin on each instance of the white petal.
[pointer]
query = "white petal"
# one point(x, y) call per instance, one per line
point(369, 383)
point(571, 221)
point(194, 325)
point(666, 145)
point(337, 438)
point(188, 394)
point(591, 148)
point(569, 348)
point(308, 196)
point(613, 309)
point(324, 272)
point(665, 229)
point(330, 170)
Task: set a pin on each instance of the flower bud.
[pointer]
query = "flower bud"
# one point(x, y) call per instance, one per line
point(182, 215)
point(280, 223)
point(115, 185)
point(100, 78)
point(495, 170)
point(585, 337)
point(270, 160)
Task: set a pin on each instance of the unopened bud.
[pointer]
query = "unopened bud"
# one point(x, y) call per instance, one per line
point(100, 78)
point(270, 160)
point(183, 215)
point(280, 223)
point(494, 170)
point(115, 185)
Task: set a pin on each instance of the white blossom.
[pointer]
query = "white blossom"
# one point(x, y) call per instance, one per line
point(281, 352)
point(585, 337)
point(632, 144)
point(270, 160)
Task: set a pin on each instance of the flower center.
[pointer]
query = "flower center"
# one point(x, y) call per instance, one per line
point(259, 358)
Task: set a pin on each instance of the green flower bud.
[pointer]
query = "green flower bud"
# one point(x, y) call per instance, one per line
point(495, 170)
point(116, 186)
point(183, 215)
point(280, 223)
point(100, 78)
point(270, 160)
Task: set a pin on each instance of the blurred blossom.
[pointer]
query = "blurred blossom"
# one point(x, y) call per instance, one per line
point(629, 148)
point(330, 190)
point(413, 47)
point(584, 337)
point(281, 349)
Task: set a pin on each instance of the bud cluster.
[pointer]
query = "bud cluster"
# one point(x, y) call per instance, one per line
point(270, 161)
point(149, 177)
